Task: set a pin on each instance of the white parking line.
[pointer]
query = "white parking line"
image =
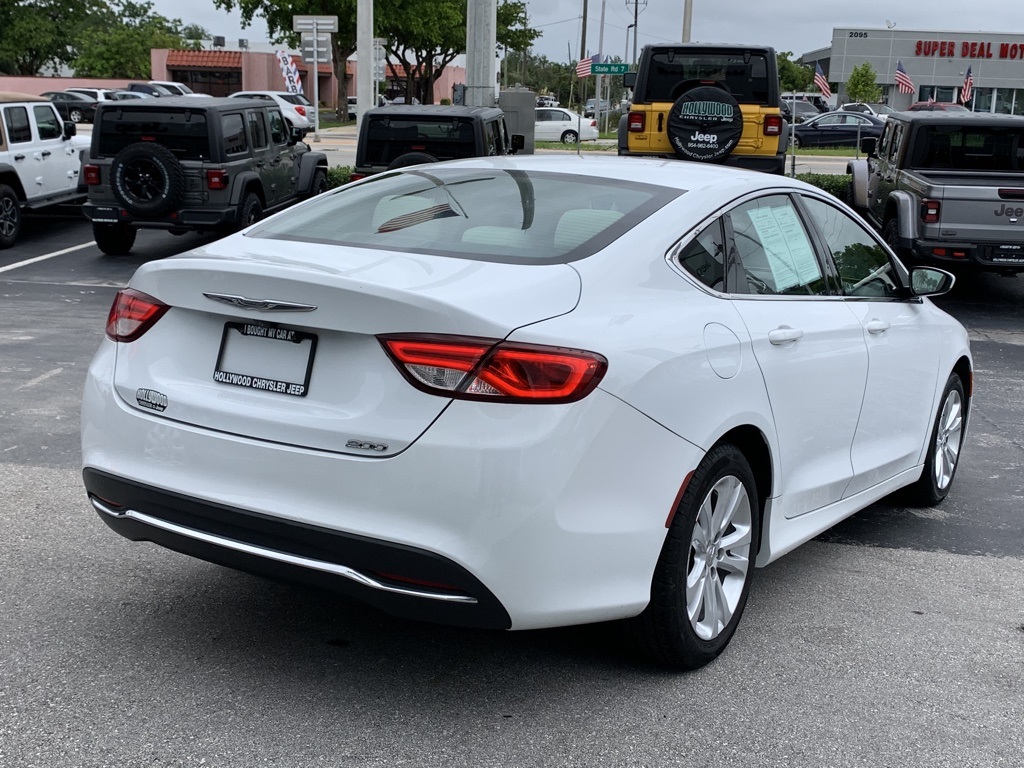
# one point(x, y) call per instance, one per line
point(46, 256)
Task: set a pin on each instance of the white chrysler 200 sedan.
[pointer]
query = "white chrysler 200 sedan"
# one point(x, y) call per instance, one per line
point(528, 392)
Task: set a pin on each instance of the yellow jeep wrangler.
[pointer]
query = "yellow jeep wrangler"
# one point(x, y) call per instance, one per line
point(709, 103)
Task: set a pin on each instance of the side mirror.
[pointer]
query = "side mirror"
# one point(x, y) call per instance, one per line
point(628, 80)
point(868, 145)
point(928, 281)
point(518, 142)
point(294, 136)
point(70, 129)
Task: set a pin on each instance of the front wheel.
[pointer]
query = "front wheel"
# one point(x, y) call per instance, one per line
point(796, 142)
point(570, 137)
point(114, 239)
point(10, 216)
point(319, 183)
point(943, 448)
point(75, 115)
point(703, 575)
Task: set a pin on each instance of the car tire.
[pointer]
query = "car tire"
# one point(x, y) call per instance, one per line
point(10, 216)
point(706, 134)
point(411, 158)
point(570, 137)
point(147, 179)
point(319, 183)
point(891, 235)
point(796, 142)
point(703, 575)
point(944, 446)
point(114, 239)
point(75, 115)
point(251, 210)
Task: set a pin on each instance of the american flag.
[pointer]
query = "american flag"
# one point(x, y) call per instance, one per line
point(822, 82)
point(903, 82)
point(967, 91)
point(583, 68)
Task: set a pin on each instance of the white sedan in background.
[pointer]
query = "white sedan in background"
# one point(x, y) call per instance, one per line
point(557, 124)
point(528, 392)
point(296, 108)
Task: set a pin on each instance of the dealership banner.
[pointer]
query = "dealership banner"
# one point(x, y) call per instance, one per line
point(292, 82)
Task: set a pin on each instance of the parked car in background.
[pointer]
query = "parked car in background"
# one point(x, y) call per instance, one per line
point(157, 91)
point(557, 124)
point(936, 106)
point(402, 100)
point(816, 99)
point(529, 392)
point(797, 111)
point(297, 109)
point(40, 159)
point(589, 109)
point(99, 94)
point(353, 102)
point(177, 89)
point(186, 165)
point(837, 129)
point(120, 95)
point(547, 101)
point(875, 110)
point(76, 107)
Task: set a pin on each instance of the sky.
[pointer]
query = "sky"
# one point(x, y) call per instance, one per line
point(798, 26)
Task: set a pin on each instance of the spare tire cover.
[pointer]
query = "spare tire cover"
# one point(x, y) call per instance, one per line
point(705, 124)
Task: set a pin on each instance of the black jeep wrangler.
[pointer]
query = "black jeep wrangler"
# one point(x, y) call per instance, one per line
point(401, 135)
point(179, 165)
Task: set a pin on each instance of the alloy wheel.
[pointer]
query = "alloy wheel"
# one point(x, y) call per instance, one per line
point(947, 439)
point(8, 217)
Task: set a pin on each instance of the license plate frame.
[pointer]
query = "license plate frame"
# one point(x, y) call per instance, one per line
point(1006, 253)
point(239, 339)
point(106, 214)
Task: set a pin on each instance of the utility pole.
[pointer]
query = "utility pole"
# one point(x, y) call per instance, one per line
point(366, 95)
point(687, 19)
point(583, 37)
point(599, 80)
point(636, 24)
point(481, 41)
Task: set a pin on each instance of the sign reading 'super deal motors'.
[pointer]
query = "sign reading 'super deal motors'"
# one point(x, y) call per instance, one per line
point(705, 124)
point(949, 49)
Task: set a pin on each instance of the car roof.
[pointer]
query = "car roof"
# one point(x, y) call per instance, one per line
point(954, 118)
point(222, 103)
point(435, 110)
point(7, 97)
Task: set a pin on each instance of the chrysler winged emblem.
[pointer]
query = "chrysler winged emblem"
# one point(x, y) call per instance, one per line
point(271, 305)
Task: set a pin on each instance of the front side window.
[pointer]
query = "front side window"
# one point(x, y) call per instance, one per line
point(774, 250)
point(46, 122)
point(862, 264)
point(18, 128)
point(278, 130)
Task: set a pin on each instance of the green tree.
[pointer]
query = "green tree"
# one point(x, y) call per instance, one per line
point(39, 33)
point(195, 33)
point(861, 85)
point(793, 76)
point(117, 42)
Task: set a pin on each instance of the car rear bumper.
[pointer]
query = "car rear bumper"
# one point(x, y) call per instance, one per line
point(1001, 257)
point(545, 515)
point(185, 218)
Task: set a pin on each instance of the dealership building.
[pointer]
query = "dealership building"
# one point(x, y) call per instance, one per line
point(936, 63)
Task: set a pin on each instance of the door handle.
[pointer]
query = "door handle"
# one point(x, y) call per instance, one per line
point(260, 164)
point(46, 153)
point(877, 326)
point(784, 335)
point(19, 157)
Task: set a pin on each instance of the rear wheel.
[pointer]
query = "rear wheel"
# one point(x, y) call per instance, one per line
point(114, 239)
point(10, 216)
point(251, 210)
point(796, 142)
point(703, 576)
point(891, 235)
point(570, 137)
point(943, 448)
point(75, 115)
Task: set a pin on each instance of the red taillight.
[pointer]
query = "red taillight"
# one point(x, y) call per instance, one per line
point(930, 211)
point(91, 174)
point(773, 125)
point(301, 110)
point(357, 176)
point(132, 314)
point(593, 123)
point(216, 179)
point(636, 122)
point(488, 369)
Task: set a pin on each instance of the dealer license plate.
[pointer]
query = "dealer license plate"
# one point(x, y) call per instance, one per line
point(1011, 253)
point(105, 214)
point(266, 357)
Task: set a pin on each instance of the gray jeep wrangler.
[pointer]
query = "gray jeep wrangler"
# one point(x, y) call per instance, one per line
point(183, 166)
point(398, 136)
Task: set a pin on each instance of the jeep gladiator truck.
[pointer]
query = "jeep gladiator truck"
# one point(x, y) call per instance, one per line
point(946, 188)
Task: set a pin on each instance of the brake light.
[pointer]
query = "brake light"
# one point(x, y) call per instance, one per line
point(593, 123)
point(930, 211)
point(636, 122)
point(357, 176)
point(91, 173)
point(217, 179)
point(301, 110)
point(469, 368)
point(132, 314)
point(773, 125)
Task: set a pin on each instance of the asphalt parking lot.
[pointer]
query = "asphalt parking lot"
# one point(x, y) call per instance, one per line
point(897, 639)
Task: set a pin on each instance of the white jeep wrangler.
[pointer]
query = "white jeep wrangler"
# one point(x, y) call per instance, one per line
point(40, 160)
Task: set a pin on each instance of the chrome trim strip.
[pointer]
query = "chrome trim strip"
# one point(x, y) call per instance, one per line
point(281, 557)
point(270, 305)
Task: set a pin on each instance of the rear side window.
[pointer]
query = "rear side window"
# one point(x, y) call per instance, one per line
point(257, 129)
point(968, 148)
point(234, 134)
point(671, 73)
point(704, 257)
point(183, 132)
point(18, 128)
point(445, 138)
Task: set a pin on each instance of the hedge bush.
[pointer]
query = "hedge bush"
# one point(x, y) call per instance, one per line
point(338, 176)
point(834, 183)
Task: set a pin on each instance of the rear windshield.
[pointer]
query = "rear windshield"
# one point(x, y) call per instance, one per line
point(388, 138)
point(488, 214)
point(183, 132)
point(973, 148)
point(295, 98)
point(672, 72)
